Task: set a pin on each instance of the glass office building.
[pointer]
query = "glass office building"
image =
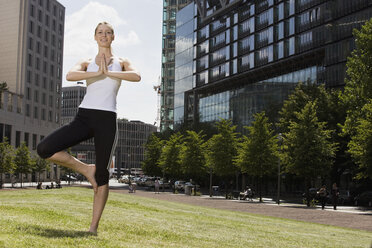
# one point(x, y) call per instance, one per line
point(170, 8)
point(239, 57)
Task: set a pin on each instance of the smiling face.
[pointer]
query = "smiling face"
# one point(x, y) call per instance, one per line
point(104, 35)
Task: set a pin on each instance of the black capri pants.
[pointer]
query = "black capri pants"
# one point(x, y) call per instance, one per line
point(88, 123)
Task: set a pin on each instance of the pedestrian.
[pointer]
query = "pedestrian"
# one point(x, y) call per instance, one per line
point(335, 193)
point(156, 185)
point(96, 117)
point(322, 193)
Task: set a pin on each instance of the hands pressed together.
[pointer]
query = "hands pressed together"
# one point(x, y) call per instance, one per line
point(103, 70)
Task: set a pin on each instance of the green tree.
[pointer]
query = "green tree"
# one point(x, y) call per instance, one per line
point(153, 148)
point(193, 156)
point(40, 165)
point(358, 87)
point(6, 159)
point(258, 154)
point(302, 95)
point(360, 145)
point(307, 149)
point(169, 161)
point(222, 150)
point(3, 86)
point(23, 161)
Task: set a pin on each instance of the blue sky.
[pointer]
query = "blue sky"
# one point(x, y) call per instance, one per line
point(137, 25)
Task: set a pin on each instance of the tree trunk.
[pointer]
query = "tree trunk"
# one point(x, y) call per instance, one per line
point(210, 184)
point(260, 186)
point(21, 179)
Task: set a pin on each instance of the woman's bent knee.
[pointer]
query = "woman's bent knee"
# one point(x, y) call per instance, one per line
point(43, 150)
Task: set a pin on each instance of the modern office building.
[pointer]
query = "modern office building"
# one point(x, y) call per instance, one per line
point(170, 8)
point(132, 135)
point(31, 50)
point(239, 57)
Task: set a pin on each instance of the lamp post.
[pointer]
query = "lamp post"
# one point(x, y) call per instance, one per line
point(280, 143)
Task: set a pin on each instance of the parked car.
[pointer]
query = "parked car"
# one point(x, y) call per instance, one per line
point(364, 199)
point(179, 185)
point(68, 178)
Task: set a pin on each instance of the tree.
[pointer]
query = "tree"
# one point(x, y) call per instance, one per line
point(23, 161)
point(358, 87)
point(307, 149)
point(6, 159)
point(193, 156)
point(150, 164)
point(3, 86)
point(222, 150)
point(169, 160)
point(258, 154)
point(40, 165)
point(360, 145)
point(302, 95)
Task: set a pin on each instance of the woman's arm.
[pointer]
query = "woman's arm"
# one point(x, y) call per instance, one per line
point(129, 73)
point(78, 72)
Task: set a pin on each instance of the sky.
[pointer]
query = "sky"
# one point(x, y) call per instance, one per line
point(138, 37)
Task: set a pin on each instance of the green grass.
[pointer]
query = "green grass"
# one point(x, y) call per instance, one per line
point(60, 217)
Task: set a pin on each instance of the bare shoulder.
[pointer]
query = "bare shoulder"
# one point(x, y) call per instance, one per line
point(126, 64)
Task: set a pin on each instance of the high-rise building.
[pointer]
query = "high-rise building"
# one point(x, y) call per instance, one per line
point(236, 58)
point(170, 8)
point(31, 63)
point(31, 50)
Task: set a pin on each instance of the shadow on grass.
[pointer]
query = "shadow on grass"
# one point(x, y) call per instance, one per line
point(48, 232)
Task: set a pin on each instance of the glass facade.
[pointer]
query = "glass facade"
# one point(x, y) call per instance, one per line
point(170, 8)
point(249, 55)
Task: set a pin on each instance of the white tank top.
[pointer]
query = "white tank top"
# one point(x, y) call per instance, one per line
point(102, 91)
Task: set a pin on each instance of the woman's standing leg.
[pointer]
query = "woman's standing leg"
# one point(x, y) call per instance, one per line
point(105, 141)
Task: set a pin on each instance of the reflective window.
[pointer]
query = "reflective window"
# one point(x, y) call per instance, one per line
point(291, 48)
point(280, 11)
point(280, 30)
point(280, 49)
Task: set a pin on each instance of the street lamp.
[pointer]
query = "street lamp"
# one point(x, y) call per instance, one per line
point(279, 143)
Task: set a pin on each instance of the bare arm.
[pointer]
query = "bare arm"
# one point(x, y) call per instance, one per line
point(129, 73)
point(78, 72)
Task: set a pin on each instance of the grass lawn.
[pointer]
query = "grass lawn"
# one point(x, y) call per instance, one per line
point(60, 217)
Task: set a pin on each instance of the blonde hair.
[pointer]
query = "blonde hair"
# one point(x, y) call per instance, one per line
point(104, 23)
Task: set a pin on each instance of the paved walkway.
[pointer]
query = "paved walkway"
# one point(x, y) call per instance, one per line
point(344, 216)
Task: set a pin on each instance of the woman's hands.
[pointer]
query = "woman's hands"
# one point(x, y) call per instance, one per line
point(103, 70)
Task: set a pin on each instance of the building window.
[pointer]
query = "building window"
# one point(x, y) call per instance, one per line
point(51, 101)
point(281, 11)
point(27, 139)
point(29, 62)
point(34, 141)
point(36, 96)
point(30, 43)
point(280, 49)
point(43, 114)
point(36, 113)
point(29, 75)
point(50, 114)
point(43, 99)
point(28, 93)
point(31, 28)
point(28, 110)
point(18, 139)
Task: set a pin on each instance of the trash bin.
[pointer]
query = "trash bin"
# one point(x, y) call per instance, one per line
point(215, 190)
point(188, 189)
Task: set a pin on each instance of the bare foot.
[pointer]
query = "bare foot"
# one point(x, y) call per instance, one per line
point(90, 175)
point(93, 231)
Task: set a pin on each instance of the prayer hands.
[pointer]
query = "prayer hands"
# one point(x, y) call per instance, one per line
point(103, 66)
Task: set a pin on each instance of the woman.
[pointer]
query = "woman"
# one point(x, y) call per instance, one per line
point(96, 117)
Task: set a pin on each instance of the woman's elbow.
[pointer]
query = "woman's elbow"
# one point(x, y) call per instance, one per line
point(138, 77)
point(69, 77)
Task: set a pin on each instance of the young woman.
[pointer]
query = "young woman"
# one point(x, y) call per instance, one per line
point(96, 117)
